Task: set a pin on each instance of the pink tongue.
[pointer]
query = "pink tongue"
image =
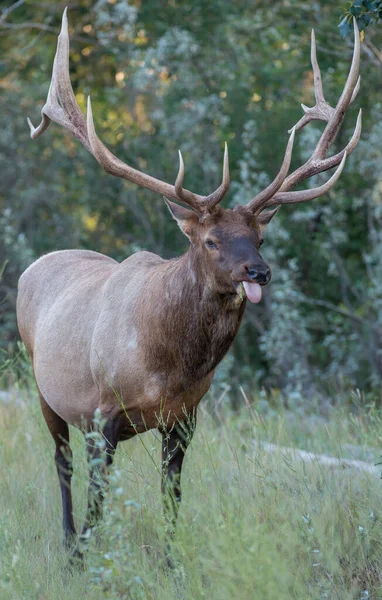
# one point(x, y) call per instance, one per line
point(253, 291)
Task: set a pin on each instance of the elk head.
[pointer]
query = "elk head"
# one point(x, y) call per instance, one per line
point(227, 243)
point(227, 240)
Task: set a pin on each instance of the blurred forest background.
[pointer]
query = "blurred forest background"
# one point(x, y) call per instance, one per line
point(191, 74)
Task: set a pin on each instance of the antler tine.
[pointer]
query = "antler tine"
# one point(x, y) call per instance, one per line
point(117, 167)
point(314, 166)
point(318, 162)
point(207, 203)
point(305, 195)
point(213, 199)
point(68, 114)
point(334, 160)
point(183, 195)
point(260, 201)
point(180, 177)
point(318, 89)
point(347, 95)
point(356, 90)
point(322, 111)
point(62, 108)
point(39, 130)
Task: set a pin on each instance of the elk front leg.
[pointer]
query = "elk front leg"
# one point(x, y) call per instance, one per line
point(174, 445)
point(63, 458)
point(100, 459)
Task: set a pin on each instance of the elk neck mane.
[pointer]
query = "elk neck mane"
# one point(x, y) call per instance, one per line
point(190, 321)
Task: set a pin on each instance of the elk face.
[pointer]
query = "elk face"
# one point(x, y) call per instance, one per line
point(228, 245)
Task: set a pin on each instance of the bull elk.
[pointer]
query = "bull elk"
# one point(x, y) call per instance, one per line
point(139, 340)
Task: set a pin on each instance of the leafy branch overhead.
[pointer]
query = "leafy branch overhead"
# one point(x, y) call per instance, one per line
point(366, 12)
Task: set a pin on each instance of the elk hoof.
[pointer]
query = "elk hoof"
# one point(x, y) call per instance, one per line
point(77, 560)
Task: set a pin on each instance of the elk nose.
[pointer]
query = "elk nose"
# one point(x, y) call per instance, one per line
point(260, 275)
point(252, 272)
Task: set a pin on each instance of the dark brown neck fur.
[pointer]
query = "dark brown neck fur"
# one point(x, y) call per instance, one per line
point(194, 322)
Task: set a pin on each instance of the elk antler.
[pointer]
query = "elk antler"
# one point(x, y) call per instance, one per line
point(278, 191)
point(218, 194)
point(62, 108)
point(322, 111)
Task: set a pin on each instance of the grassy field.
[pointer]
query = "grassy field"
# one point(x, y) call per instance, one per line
point(253, 524)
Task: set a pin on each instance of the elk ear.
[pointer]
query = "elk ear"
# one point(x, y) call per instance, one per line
point(185, 218)
point(264, 218)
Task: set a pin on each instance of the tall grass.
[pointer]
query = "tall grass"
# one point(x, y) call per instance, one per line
point(252, 524)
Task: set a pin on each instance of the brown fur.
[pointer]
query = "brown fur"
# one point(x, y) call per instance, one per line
point(141, 339)
point(147, 333)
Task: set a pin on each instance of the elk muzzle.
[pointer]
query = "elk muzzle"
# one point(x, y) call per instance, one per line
point(252, 277)
point(261, 275)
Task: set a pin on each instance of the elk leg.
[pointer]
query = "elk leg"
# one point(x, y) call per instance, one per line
point(174, 445)
point(100, 460)
point(63, 457)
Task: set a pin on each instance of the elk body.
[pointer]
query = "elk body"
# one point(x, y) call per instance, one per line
point(140, 339)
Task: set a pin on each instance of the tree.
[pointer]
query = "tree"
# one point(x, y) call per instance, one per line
point(191, 75)
point(366, 12)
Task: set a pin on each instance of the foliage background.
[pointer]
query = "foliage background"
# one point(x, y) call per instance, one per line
point(190, 75)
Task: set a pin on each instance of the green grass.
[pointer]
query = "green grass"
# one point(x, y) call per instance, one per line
point(252, 525)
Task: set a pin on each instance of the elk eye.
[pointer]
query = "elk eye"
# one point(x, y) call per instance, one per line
point(210, 243)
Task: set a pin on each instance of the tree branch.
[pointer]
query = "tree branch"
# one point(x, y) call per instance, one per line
point(7, 11)
point(44, 27)
point(296, 454)
point(373, 53)
point(333, 308)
